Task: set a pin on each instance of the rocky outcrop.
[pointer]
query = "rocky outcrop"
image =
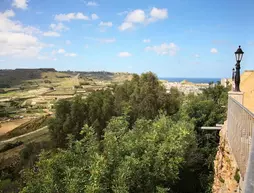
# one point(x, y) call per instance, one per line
point(227, 176)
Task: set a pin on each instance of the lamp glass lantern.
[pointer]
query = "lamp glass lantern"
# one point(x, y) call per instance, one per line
point(239, 54)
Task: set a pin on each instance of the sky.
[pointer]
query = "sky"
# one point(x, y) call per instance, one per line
point(172, 38)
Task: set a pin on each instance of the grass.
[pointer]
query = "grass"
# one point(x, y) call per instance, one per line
point(237, 176)
point(61, 92)
point(221, 180)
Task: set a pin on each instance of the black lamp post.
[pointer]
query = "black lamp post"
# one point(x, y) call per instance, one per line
point(233, 79)
point(238, 56)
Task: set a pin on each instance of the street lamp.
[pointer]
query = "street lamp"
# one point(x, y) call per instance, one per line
point(238, 56)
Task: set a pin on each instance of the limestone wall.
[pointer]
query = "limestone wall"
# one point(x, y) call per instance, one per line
point(227, 176)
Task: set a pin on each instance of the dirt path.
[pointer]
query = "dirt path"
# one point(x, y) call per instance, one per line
point(21, 136)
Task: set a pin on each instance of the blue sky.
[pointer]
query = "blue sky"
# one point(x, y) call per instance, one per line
point(173, 38)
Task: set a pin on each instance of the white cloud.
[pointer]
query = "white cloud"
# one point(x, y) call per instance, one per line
point(92, 3)
point(17, 39)
point(123, 13)
point(81, 16)
point(94, 16)
point(164, 49)
point(21, 4)
point(125, 26)
point(58, 27)
point(8, 13)
point(106, 24)
point(19, 44)
point(71, 54)
point(136, 16)
point(61, 51)
point(68, 42)
point(197, 56)
point(139, 16)
point(86, 46)
point(7, 25)
point(159, 13)
point(146, 40)
point(51, 34)
point(71, 16)
point(124, 54)
point(214, 51)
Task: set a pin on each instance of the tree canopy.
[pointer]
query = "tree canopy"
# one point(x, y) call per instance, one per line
point(145, 158)
point(133, 137)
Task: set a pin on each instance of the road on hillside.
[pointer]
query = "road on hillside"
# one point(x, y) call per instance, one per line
point(24, 135)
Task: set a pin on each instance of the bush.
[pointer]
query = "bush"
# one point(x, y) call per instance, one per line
point(237, 176)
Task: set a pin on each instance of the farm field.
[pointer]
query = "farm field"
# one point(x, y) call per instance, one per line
point(10, 125)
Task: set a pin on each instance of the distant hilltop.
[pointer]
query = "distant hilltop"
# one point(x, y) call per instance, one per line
point(16, 77)
point(34, 69)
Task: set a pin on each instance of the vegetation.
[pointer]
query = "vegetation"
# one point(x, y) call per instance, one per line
point(133, 137)
point(145, 158)
point(237, 175)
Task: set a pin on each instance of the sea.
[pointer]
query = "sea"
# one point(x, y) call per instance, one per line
point(193, 80)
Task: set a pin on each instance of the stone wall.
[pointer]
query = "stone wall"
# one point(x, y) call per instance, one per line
point(227, 175)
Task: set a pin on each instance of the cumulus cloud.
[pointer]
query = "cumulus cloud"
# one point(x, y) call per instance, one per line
point(58, 27)
point(8, 13)
point(157, 14)
point(214, 51)
point(136, 16)
point(125, 25)
point(91, 3)
point(8, 25)
point(71, 54)
point(146, 40)
point(21, 4)
point(139, 16)
point(19, 44)
point(124, 54)
point(164, 49)
point(94, 16)
point(105, 24)
point(71, 16)
point(17, 39)
point(51, 34)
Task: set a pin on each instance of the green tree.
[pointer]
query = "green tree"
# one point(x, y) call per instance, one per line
point(69, 119)
point(100, 107)
point(146, 158)
point(205, 109)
